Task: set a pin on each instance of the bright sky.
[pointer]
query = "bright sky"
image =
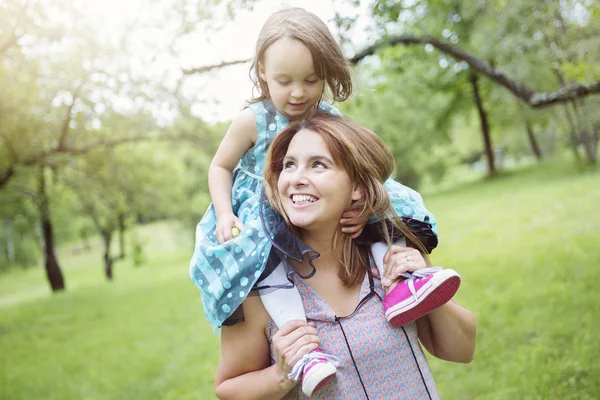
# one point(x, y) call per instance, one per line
point(218, 95)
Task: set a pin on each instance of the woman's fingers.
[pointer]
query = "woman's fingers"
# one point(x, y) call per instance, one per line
point(396, 250)
point(300, 334)
point(299, 348)
point(293, 341)
point(291, 332)
point(289, 327)
point(401, 260)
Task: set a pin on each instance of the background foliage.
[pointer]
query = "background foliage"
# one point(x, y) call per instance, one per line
point(103, 168)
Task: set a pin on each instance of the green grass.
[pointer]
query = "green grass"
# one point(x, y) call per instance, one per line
point(526, 244)
point(528, 248)
point(139, 337)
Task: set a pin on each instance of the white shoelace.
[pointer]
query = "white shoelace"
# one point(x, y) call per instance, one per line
point(418, 274)
point(307, 358)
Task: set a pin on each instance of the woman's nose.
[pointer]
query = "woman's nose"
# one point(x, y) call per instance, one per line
point(299, 177)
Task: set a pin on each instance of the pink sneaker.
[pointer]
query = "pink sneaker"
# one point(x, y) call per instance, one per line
point(418, 296)
point(318, 370)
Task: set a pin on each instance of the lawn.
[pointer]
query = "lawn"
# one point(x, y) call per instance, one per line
point(527, 245)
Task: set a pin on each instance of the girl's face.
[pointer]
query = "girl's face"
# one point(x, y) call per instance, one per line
point(288, 69)
point(314, 191)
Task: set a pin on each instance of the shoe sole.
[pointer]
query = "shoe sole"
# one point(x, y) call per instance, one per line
point(317, 377)
point(442, 287)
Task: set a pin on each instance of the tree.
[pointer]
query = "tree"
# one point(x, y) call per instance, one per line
point(59, 82)
point(513, 32)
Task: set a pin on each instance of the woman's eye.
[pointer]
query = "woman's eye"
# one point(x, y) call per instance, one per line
point(283, 83)
point(288, 164)
point(319, 164)
point(312, 82)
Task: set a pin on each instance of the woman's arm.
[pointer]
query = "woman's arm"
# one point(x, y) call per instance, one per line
point(241, 136)
point(244, 370)
point(449, 333)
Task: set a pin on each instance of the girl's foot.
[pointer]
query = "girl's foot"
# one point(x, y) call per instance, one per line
point(317, 368)
point(419, 294)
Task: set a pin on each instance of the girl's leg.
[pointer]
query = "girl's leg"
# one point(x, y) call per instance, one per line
point(283, 305)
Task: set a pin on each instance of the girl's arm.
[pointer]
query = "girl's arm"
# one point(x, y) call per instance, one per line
point(241, 136)
point(244, 370)
point(449, 333)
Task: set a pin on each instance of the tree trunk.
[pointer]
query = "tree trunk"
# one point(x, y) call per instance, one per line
point(588, 138)
point(535, 148)
point(53, 271)
point(108, 261)
point(10, 240)
point(573, 139)
point(485, 130)
point(122, 235)
point(590, 144)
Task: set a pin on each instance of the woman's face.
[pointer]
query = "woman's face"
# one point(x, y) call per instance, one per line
point(314, 191)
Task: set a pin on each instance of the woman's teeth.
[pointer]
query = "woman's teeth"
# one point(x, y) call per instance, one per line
point(300, 199)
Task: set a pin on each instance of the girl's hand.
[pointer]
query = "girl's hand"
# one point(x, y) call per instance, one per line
point(295, 339)
point(401, 259)
point(224, 225)
point(353, 223)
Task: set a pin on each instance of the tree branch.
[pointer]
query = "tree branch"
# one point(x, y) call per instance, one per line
point(107, 144)
point(67, 121)
point(529, 96)
point(207, 68)
point(42, 157)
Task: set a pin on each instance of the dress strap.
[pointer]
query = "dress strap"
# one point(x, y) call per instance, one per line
point(260, 115)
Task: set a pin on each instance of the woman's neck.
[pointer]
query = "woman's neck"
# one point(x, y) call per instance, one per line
point(321, 242)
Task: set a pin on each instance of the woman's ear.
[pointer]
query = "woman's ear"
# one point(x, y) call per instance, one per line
point(261, 71)
point(357, 193)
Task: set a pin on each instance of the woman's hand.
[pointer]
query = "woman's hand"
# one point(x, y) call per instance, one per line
point(224, 225)
point(353, 223)
point(290, 343)
point(400, 260)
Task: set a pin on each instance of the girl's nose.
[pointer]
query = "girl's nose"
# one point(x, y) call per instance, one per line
point(298, 92)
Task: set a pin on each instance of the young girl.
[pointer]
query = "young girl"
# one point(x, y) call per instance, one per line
point(297, 63)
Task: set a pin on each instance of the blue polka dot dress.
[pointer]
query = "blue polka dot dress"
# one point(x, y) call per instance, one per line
point(225, 273)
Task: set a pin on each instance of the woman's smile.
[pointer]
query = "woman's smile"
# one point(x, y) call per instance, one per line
point(303, 200)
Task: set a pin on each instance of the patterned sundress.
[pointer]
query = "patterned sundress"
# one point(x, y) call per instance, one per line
point(377, 361)
point(225, 273)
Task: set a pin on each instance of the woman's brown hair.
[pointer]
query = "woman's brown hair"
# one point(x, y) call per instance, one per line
point(299, 24)
point(368, 162)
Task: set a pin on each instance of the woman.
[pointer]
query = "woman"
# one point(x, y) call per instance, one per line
point(316, 169)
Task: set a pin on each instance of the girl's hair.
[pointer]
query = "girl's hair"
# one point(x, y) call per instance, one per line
point(299, 24)
point(368, 162)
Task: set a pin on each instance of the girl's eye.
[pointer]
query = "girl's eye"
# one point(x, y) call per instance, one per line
point(312, 82)
point(283, 83)
point(288, 164)
point(319, 164)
